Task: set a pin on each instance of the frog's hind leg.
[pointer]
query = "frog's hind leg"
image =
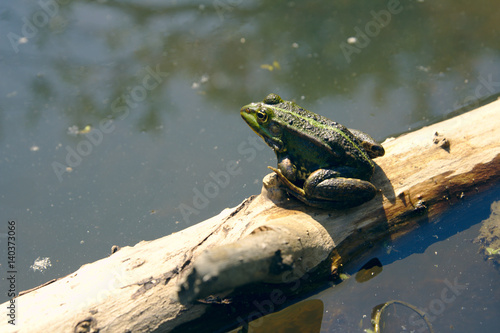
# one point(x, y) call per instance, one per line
point(325, 185)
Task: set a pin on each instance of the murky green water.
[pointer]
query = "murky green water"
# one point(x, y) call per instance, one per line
point(117, 118)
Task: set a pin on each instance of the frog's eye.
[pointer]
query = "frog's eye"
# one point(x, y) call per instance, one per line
point(262, 116)
point(272, 99)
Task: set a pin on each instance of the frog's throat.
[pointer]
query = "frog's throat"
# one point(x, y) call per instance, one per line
point(315, 123)
point(276, 145)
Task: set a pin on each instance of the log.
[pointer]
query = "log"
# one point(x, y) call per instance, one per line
point(154, 285)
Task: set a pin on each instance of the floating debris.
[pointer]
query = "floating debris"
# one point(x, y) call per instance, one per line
point(385, 317)
point(491, 251)
point(275, 65)
point(74, 130)
point(41, 264)
point(204, 79)
point(86, 129)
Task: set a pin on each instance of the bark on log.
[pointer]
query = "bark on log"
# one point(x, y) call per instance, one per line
point(268, 237)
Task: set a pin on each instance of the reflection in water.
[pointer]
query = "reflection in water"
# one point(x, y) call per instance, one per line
point(104, 47)
point(305, 316)
point(369, 270)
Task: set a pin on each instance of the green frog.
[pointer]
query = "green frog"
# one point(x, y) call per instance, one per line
point(320, 162)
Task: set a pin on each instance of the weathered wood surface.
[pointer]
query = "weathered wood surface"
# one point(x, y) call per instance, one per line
point(136, 289)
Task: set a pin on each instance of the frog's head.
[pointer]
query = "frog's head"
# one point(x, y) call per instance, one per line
point(262, 119)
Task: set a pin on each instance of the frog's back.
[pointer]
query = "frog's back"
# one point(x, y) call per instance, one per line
point(311, 136)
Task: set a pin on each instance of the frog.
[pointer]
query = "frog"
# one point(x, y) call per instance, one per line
point(319, 161)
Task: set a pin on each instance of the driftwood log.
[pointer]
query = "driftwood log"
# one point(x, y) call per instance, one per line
point(153, 286)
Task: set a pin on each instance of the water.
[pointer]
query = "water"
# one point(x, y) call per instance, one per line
point(436, 269)
point(116, 115)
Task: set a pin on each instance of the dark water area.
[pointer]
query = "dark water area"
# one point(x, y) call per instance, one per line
point(437, 269)
point(116, 118)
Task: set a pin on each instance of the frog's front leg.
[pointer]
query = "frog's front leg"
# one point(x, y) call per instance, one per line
point(287, 173)
point(329, 185)
point(288, 170)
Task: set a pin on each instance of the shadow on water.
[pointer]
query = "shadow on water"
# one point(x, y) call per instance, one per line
point(461, 217)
